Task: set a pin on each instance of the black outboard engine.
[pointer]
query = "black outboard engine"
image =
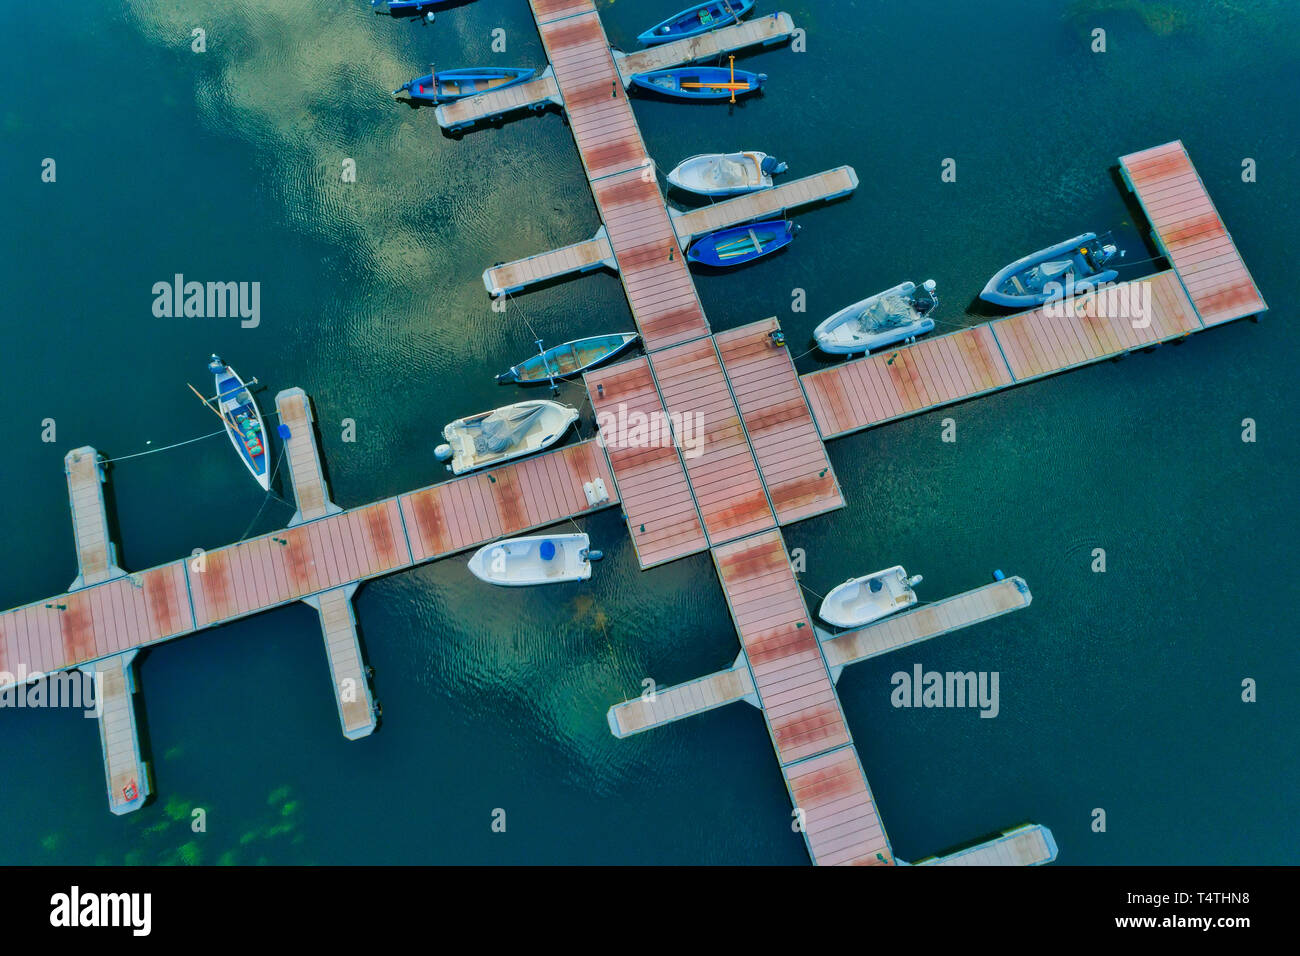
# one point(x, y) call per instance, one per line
point(924, 300)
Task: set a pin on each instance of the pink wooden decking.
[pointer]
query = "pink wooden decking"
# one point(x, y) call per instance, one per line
point(790, 453)
point(720, 464)
point(1189, 231)
point(661, 513)
point(260, 573)
point(840, 818)
point(532, 493)
point(654, 274)
point(1093, 327)
point(793, 683)
point(899, 382)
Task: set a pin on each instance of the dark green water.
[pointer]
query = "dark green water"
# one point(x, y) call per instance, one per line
point(1118, 690)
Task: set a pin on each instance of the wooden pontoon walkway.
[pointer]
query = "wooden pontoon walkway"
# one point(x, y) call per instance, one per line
point(596, 252)
point(800, 706)
point(1029, 845)
point(1188, 231)
point(96, 554)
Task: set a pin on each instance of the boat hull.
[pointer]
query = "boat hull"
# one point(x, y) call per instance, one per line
point(671, 82)
point(243, 419)
point(740, 244)
point(855, 604)
point(1020, 285)
point(547, 427)
point(696, 20)
point(446, 86)
point(715, 174)
point(568, 359)
point(543, 559)
point(838, 336)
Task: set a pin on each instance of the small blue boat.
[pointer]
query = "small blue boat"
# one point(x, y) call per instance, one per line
point(698, 19)
point(411, 6)
point(741, 244)
point(243, 420)
point(447, 85)
point(700, 82)
point(1074, 265)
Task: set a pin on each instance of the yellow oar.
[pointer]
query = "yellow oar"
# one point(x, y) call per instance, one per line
point(733, 85)
point(225, 418)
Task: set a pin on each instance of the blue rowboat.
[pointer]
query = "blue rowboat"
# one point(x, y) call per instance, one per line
point(698, 19)
point(699, 82)
point(741, 244)
point(1066, 268)
point(568, 359)
point(447, 85)
point(238, 409)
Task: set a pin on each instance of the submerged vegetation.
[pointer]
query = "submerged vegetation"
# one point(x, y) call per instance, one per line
point(1160, 16)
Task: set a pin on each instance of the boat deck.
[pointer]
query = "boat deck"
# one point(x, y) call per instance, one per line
point(791, 457)
point(96, 561)
point(306, 474)
point(661, 514)
point(765, 31)
point(1187, 229)
point(771, 203)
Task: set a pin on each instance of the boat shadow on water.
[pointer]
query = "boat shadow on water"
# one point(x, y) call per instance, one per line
point(497, 122)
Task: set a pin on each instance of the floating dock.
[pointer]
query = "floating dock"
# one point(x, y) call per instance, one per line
point(760, 462)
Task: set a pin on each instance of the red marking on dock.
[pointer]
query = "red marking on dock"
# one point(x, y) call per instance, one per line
point(661, 514)
point(719, 462)
point(1190, 232)
point(79, 628)
point(789, 450)
point(840, 818)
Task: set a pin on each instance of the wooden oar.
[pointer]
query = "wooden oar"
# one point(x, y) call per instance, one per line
point(225, 418)
point(733, 85)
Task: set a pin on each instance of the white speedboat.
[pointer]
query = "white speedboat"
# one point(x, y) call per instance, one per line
point(490, 438)
point(726, 174)
point(860, 601)
point(544, 559)
point(888, 317)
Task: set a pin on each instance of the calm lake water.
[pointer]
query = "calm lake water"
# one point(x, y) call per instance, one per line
point(1118, 690)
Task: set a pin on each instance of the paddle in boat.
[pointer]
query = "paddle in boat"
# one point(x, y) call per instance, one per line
point(741, 244)
point(238, 411)
point(726, 174)
point(696, 20)
point(544, 559)
point(700, 82)
point(560, 361)
point(444, 86)
point(1066, 268)
point(860, 601)
point(895, 315)
point(511, 431)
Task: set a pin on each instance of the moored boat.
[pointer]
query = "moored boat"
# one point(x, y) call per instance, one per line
point(696, 20)
point(444, 86)
point(726, 174)
point(860, 601)
point(238, 409)
point(885, 318)
point(542, 559)
point(511, 431)
point(741, 244)
point(700, 82)
point(570, 358)
point(1075, 265)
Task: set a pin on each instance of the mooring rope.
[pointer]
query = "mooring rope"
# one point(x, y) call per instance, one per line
point(178, 444)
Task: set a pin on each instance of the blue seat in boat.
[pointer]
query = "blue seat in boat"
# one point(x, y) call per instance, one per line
point(547, 550)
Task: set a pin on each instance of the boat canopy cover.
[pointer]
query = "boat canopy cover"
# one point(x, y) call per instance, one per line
point(501, 430)
point(729, 172)
point(887, 312)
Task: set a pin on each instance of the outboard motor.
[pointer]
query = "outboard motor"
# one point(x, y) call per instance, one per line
point(215, 365)
point(772, 166)
point(590, 554)
point(442, 452)
point(925, 302)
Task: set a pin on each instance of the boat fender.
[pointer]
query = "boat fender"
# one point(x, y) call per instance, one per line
point(999, 576)
point(442, 452)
